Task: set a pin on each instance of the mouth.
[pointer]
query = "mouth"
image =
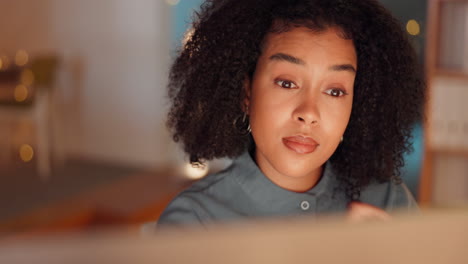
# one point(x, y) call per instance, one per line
point(300, 144)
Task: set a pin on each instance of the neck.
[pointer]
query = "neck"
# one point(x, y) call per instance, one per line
point(295, 183)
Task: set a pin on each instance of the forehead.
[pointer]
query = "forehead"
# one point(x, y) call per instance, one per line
point(305, 43)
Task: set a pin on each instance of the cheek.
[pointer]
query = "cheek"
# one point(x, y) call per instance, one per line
point(268, 110)
point(263, 115)
point(336, 118)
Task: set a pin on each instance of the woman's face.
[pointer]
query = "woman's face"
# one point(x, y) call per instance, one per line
point(299, 102)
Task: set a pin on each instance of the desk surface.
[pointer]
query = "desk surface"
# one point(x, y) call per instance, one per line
point(434, 237)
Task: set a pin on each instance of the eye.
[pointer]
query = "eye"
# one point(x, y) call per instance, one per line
point(286, 84)
point(336, 92)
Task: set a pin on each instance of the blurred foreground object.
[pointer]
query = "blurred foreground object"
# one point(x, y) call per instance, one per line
point(444, 178)
point(435, 237)
point(25, 110)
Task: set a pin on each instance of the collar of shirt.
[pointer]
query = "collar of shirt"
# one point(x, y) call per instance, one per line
point(269, 197)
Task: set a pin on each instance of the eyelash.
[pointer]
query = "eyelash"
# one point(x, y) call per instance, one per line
point(341, 92)
point(280, 83)
point(292, 85)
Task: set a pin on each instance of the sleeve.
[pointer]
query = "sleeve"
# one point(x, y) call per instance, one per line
point(182, 211)
point(178, 214)
point(401, 199)
point(390, 196)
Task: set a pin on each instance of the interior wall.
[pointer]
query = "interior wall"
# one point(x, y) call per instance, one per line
point(110, 91)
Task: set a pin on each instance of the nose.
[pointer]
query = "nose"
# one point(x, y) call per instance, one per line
point(307, 112)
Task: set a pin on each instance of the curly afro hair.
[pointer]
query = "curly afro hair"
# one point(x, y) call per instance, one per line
point(206, 81)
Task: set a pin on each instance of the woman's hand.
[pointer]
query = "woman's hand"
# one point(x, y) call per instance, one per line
point(359, 212)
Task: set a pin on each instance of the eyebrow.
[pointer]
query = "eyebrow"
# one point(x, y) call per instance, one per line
point(294, 60)
point(343, 67)
point(288, 58)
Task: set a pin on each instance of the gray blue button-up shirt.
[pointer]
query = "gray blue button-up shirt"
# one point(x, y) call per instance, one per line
point(243, 191)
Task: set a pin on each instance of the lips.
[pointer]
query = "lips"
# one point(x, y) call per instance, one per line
point(300, 144)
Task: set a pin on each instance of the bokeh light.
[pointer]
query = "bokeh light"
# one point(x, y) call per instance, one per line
point(21, 58)
point(413, 27)
point(5, 61)
point(26, 153)
point(21, 93)
point(196, 172)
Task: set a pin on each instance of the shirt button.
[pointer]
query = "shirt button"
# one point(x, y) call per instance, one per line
point(305, 205)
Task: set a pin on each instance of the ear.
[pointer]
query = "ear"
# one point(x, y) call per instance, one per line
point(247, 92)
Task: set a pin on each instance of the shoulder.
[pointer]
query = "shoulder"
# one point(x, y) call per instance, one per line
point(190, 206)
point(390, 196)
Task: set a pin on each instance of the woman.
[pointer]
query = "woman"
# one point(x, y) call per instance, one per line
point(314, 100)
